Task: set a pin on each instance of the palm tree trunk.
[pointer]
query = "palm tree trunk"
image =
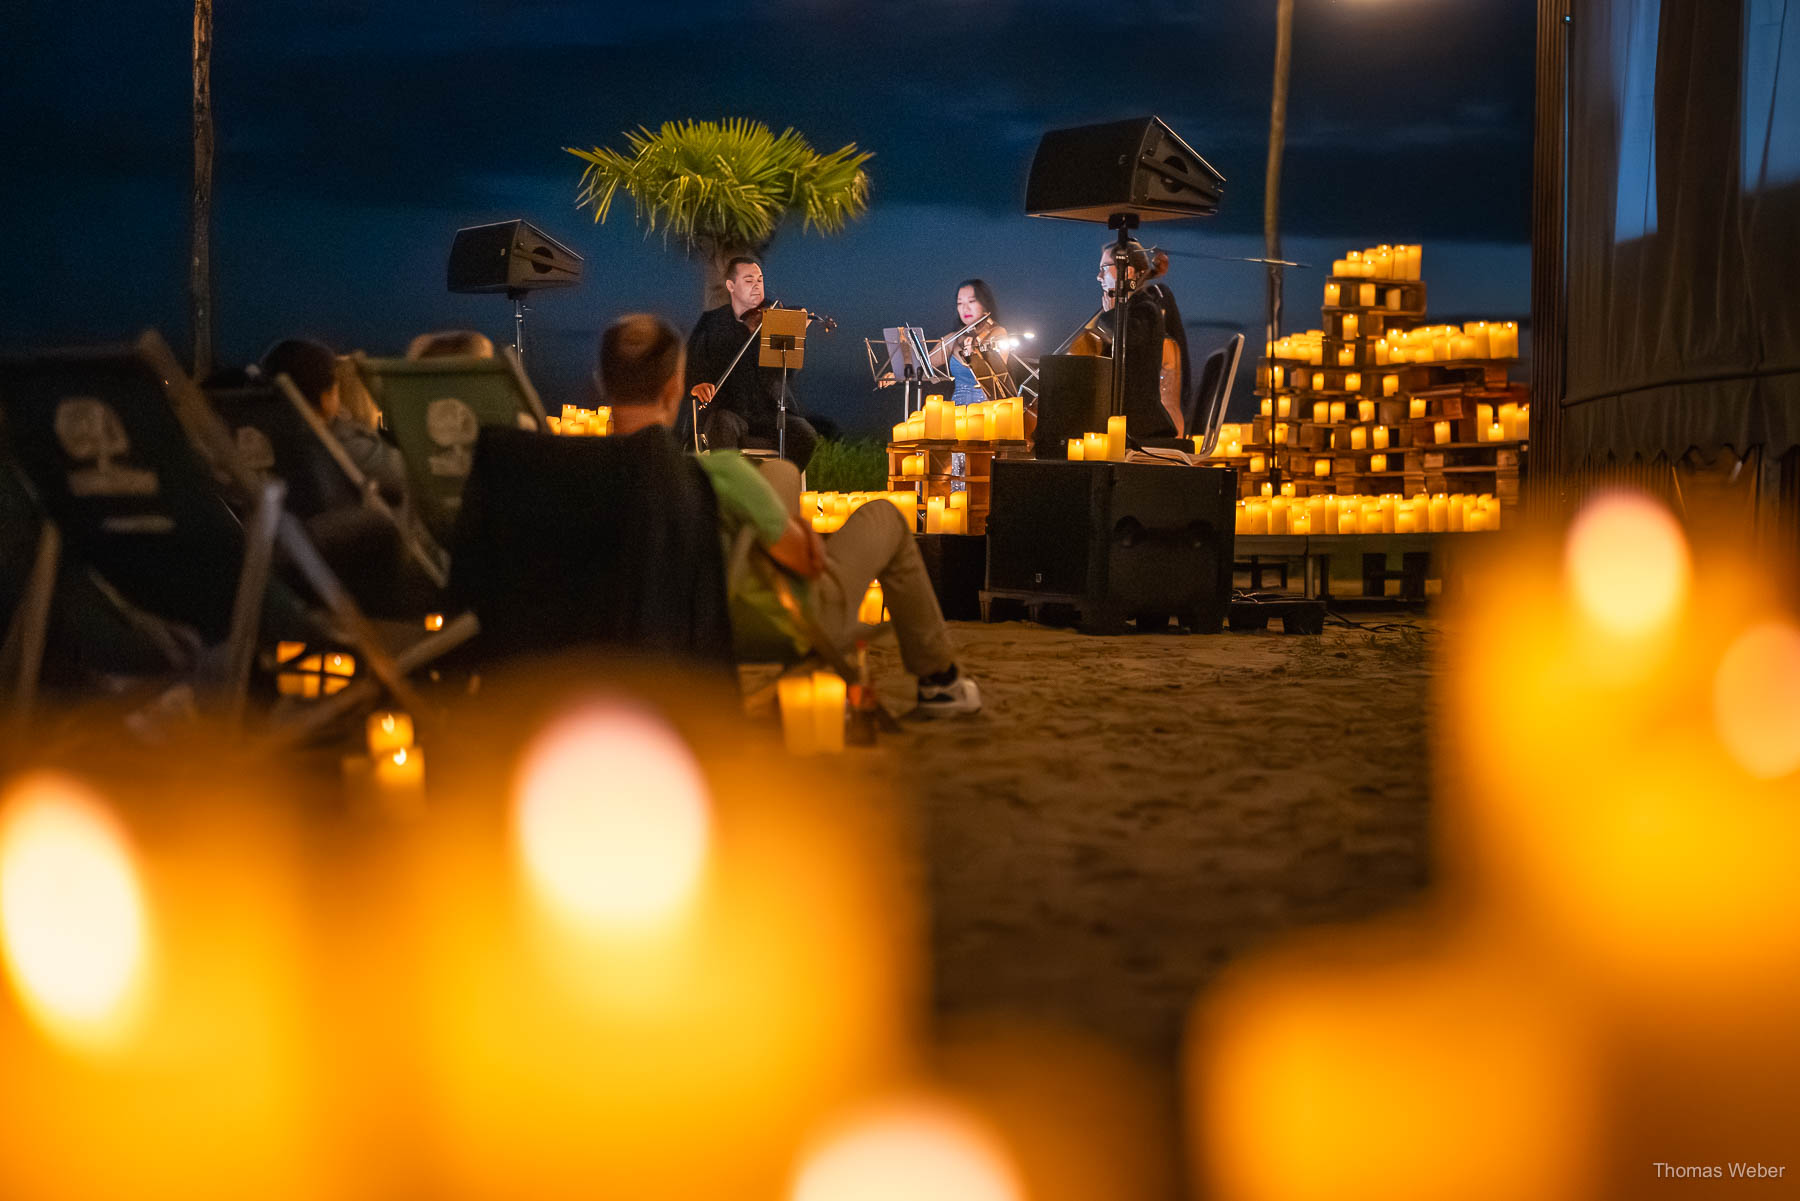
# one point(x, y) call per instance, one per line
point(200, 282)
point(1284, 42)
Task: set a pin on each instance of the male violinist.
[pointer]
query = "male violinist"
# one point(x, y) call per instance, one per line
point(744, 410)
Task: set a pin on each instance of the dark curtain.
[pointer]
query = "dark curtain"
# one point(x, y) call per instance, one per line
point(1683, 251)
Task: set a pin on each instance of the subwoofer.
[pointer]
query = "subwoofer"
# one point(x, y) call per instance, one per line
point(1140, 166)
point(511, 257)
point(1114, 541)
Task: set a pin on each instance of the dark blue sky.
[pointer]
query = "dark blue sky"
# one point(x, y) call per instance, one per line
point(357, 135)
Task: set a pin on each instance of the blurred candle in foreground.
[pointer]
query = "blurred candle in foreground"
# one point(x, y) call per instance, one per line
point(611, 818)
point(1756, 700)
point(1627, 564)
point(907, 1149)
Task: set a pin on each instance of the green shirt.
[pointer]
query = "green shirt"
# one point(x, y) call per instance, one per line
point(760, 627)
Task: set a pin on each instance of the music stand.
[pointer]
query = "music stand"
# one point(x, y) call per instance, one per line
point(902, 356)
point(782, 343)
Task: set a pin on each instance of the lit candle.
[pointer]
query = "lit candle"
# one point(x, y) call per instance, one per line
point(1280, 375)
point(1346, 517)
point(1390, 385)
point(1377, 463)
point(1284, 407)
point(934, 515)
point(1496, 432)
point(1503, 340)
point(1278, 515)
point(869, 612)
point(1365, 295)
point(1381, 351)
point(1350, 320)
point(1256, 517)
point(400, 775)
point(1337, 411)
point(1379, 439)
point(962, 428)
point(1359, 438)
point(1393, 299)
point(1387, 506)
point(1484, 416)
point(1318, 381)
point(1441, 431)
point(1406, 518)
point(1416, 408)
point(1268, 407)
point(1365, 409)
point(1287, 490)
point(1094, 447)
point(1321, 412)
point(1300, 522)
point(902, 432)
point(388, 732)
point(1463, 347)
point(1258, 464)
point(1281, 434)
point(799, 731)
point(1439, 514)
point(1331, 291)
point(1075, 448)
point(1321, 467)
point(934, 418)
point(1115, 436)
point(1478, 331)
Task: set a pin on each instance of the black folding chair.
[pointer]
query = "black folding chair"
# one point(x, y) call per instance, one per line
point(1205, 412)
point(138, 473)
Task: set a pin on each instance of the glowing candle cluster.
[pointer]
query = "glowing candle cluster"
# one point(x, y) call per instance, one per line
point(1402, 262)
point(985, 421)
point(579, 422)
point(812, 711)
point(1357, 513)
point(826, 512)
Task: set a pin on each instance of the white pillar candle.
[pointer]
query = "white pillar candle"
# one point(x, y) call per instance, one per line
point(1415, 408)
point(1365, 295)
point(1441, 432)
point(1350, 323)
point(934, 515)
point(1115, 436)
point(1359, 438)
point(1321, 412)
point(1075, 445)
point(1337, 411)
point(1281, 434)
point(1365, 409)
point(1321, 467)
point(1346, 356)
point(1284, 406)
point(1258, 464)
point(1377, 463)
point(1331, 291)
point(1268, 407)
point(1390, 385)
point(1094, 447)
point(1318, 381)
point(1280, 376)
point(1379, 439)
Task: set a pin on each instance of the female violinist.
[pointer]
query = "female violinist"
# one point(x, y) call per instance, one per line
point(974, 300)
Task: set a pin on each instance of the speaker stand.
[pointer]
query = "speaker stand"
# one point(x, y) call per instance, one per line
point(1123, 289)
point(518, 299)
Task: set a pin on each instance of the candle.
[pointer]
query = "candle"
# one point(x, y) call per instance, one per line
point(1346, 518)
point(1346, 356)
point(1393, 299)
point(1331, 290)
point(1462, 347)
point(1380, 351)
point(1365, 295)
point(869, 612)
point(1278, 515)
point(1478, 332)
point(388, 732)
point(1256, 517)
point(1441, 431)
point(1365, 409)
point(1284, 407)
point(1280, 375)
point(934, 417)
point(794, 697)
point(1094, 447)
point(1379, 439)
point(1416, 408)
point(1387, 506)
point(1075, 448)
point(902, 432)
point(1484, 416)
point(1268, 407)
point(934, 515)
point(1321, 467)
point(1406, 518)
point(1496, 432)
point(1350, 320)
point(1474, 519)
point(1233, 447)
point(1438, 515)
point(1503, 340)
point(962, 428)
point(1287, 489)
point(1318, 381)
point(1115, 435)
point(1300, 523)
point(434, 622)
point(1359, 438)
point(1337, 411)
point(1377, 463)
point(1258, 464)
point(1390, 385)
point(1321, 412)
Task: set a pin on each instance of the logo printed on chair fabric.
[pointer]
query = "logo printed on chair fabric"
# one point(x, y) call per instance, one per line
point(453, 426)
point(90, 431)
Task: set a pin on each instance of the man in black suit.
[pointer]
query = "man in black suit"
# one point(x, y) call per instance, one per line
point(743, 410)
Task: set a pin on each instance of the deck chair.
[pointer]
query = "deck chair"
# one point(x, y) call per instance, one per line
point(1205, 412)
point(599, 542)
point(436, 408)
point(137, 473)
point(279, 434)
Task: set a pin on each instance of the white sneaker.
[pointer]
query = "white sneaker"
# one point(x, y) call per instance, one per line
point(960, 696)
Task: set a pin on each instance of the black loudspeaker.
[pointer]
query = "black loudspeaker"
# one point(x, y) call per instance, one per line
point(510, 256)
point(1116, 541)
point(1074, 398)
point(1139, 166)
point(956, 564)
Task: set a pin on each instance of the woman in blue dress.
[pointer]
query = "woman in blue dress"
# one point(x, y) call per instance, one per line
point(974, 299)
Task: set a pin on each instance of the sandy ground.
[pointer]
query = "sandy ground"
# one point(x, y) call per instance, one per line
point(1129, 814)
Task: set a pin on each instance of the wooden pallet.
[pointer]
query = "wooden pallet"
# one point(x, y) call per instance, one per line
point(939, 478)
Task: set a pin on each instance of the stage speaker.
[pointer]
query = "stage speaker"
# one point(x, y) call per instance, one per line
point(1116, 541)
point(512, 257)
point(1074, 398)
point(1140, 166)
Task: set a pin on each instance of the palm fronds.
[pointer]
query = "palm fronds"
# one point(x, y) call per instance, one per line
point(724, 182)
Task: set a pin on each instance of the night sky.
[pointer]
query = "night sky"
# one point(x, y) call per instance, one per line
point(355, 137)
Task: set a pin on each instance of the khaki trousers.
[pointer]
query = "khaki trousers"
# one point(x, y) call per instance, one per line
point(874, 544)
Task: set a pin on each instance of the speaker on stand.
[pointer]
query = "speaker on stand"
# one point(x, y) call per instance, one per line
point(514, 257)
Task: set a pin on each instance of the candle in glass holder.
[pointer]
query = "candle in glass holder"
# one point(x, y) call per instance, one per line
point(1331, 291)
point(1441, 431)
point(1359, 438)
point(1416, 408)
point(1337, 411)
point(1379, 439)
point(1350, 321)
point(1377, 463)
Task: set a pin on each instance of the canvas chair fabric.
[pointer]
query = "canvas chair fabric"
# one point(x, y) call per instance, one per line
point(436, 409)
point(599, 542)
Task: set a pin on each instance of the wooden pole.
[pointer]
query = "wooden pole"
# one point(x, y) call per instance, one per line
point(1284, 47)
point(200, 282)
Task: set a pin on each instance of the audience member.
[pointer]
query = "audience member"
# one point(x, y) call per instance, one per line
point(451, 343)
point(641, 375)
point(314, 369)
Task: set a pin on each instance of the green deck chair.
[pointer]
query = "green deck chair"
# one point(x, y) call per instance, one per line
point(435, 409)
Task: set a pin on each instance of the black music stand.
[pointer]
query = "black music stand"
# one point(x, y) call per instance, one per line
point(782, 343)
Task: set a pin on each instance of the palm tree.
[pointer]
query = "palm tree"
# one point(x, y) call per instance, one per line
point(725, 187)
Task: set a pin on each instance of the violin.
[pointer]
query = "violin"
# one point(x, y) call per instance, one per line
point(752, 318)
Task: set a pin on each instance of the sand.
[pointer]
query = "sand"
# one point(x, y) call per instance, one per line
point(1130, 814)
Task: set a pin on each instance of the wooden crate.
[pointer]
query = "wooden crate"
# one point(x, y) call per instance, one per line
point(940, 478)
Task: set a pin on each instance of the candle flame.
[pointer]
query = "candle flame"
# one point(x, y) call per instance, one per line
point(1627, 564)
point(907, 1150)
point(72, 920)
point(612, 818)
point(1756, 700)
